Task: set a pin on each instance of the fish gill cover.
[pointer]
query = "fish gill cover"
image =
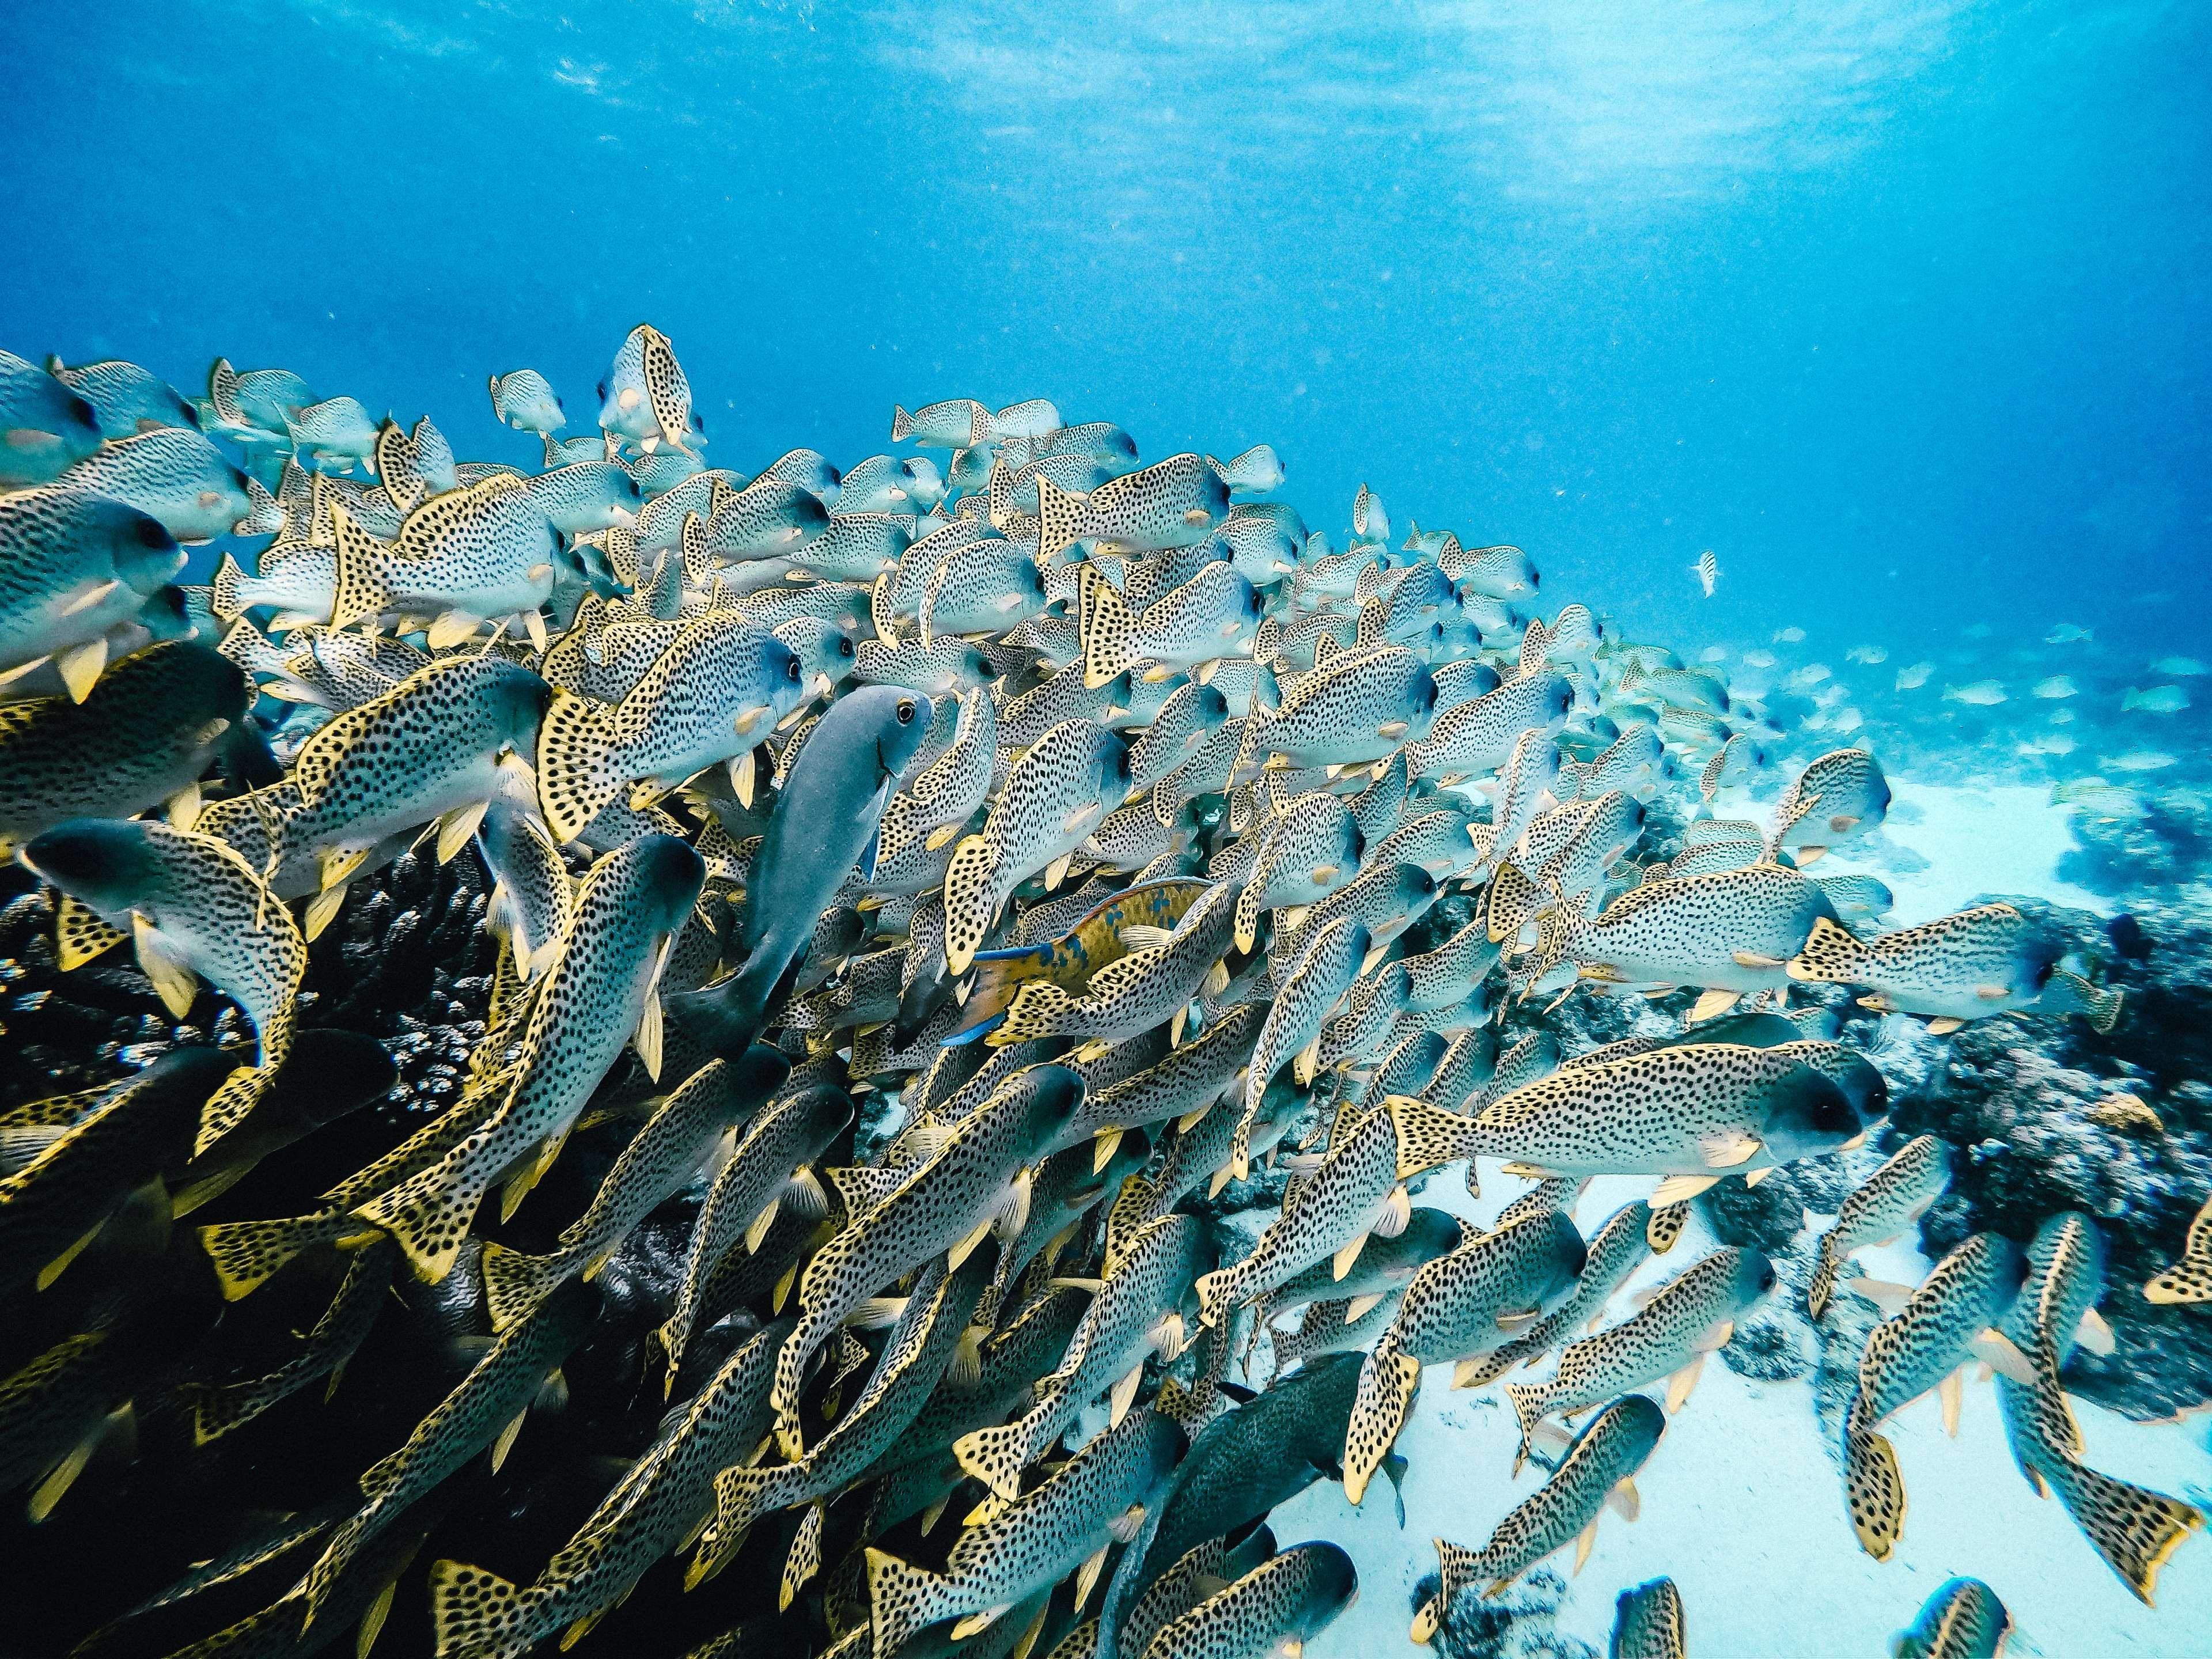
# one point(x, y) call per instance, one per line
point(666, 987)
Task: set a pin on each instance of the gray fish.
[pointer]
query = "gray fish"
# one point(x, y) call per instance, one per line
point(1361, 706)
point(930, 1339)
point(600, 994)
point(1691, 1114)
point(194, 911)
point(486, 1408)
point(336, 429)
point(1934, 1330)
point(1135, 1314)
point(1989, 960)
point(658, 1162)
point(1055, 795)
point(1042, 1536)
point(884, 484)
point(320, 1351)
point(177, 476)
point(125, 398)
point(973, 1183)
point(524, 399)
point(1314, 982)
point(827, 815)
point(955, 424)
point(1692, 1315)
point(646, 397)
point(1597, 1472)
point(1882, 1206)
point(1648, 1624)
point(1355, 1191)
point(1459, 1307)
point(717, 690)
point(476, 1614)
point(71, 568)
point(1170, 503)
point(1840, 795)
point(145, 734)
point(1275, 1608)
point(1211, 615)
point(856, 547)
point(983, 587)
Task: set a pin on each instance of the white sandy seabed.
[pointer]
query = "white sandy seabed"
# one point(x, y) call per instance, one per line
point(1741, 1504)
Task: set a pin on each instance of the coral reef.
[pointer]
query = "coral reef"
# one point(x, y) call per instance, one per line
point(1518, 1625)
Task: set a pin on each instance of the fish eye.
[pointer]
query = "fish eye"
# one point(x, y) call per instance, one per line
point(906, 711)
point(791, 670)
point(844, 646)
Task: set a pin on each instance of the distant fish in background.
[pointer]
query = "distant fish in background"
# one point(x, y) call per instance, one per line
point(1708, 571)
point(2070, 634)
point(2096, 799)
point(1759, 659)
point(2058, 686)
point(2137, 760)
point(2159, 700)
point(1872, 655)
point(1979, 694)
point(2181, 668)
point(1789, 637)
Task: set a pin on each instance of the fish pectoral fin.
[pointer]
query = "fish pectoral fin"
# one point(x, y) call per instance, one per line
point(2095, 1335)
point(983, 1620)
point(1717, 1337)
point(1753, 1177)
point(1518, 1318)
point(1584, 1541)
point(173, 981)
point(1710, 1005)
point(505, 1443)
point(1943, 1027)
point(321, 911)
point(1888, 1296)
point(1102, 1146)
point(1992, 993)
point(744, 772)
point(1675, 1189)
point(1624, 1500)
point(1998, 1351)
point(1950, 1394)
point(1752, 959)
point(759, 1228)
point(1679, 1385)
point(1341, 1263)
point(1727, 1150)
point(1124, 1394)
point(79, 667)
point(455, 829)
point(1360, 1306)
point(451, 628)
point(1306, 1063)
point(1143, 936)
point(960, 1252)
point(1397, 1210)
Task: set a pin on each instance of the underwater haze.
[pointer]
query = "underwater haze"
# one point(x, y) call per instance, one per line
point(1897, 305)
point(1232, 829)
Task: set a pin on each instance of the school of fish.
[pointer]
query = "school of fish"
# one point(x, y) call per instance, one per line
point(930, 883)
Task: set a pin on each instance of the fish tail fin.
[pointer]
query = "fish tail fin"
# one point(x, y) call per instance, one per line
point(361, 588)
point(1428, 1134)
point(1037, 1011)
point(1251, 753)
point(1530, 1401)
point(1834, 955)
point(245, 1253)
point(1106, 628)
point(1709, 780)
point(901, 1600)
point(996, 1456)
point(1510, 900)
point(241, 1091)
point(577, 777)
point(1060, 518)
point(971, 900)
point(1826, 1265)
point(264, 517)
point(346, 1540)
point(514, 1284)
point(472, 1611)
point(1388, 1380)
point(1874, 1485)
point(428, 1213)
point(2075, 995)
point(999, 977)
point(1219, 1295)
point(2136, 1529)
point(902, 423)
point(225, 596)
point(742, 1495)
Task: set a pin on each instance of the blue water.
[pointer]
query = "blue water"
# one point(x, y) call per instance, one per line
point(1898, 305)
